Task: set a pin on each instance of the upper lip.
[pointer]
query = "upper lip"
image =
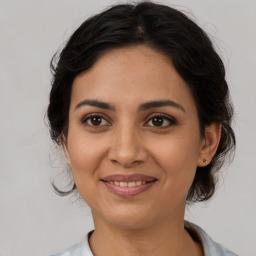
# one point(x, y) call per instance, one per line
point(128, 178)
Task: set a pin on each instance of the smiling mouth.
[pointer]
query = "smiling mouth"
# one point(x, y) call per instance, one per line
point(128, 185)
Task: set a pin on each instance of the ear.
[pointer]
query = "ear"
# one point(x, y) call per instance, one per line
point(210, 144)
point(65, 148)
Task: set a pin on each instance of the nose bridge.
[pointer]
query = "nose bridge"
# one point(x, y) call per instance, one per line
point(127, 145)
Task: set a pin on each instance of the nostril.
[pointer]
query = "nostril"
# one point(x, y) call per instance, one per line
point(127, 156)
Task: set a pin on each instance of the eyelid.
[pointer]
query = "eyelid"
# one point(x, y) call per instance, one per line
point(171, 119)
point(101, 115)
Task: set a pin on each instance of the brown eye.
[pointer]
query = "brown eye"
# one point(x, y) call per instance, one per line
point(96, 121)
point(157, 121)
point(161, 121)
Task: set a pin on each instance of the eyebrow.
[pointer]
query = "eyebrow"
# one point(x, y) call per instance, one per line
point(142, 107)
point(95, 103)
point(160, 103)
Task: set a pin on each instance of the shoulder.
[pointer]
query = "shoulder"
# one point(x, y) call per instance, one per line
point(211, 248)
point(80, 249)
point(72, 251)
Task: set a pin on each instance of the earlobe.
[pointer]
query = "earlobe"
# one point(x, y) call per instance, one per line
point(209, 144)
point(65, 148)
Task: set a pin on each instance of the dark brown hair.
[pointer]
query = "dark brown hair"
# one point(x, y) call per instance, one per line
point(172, 33)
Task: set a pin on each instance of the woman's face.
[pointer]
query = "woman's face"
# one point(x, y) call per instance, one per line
point(133, 138)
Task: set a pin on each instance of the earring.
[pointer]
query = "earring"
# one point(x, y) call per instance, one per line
point(205, 161)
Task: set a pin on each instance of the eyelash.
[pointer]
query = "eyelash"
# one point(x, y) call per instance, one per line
point(165, 117)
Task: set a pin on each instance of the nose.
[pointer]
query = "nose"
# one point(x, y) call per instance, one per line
point(127, 148)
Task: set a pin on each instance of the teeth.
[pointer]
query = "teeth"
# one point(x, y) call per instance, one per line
point(128, 184)
point(132, 184)
point(123, 184)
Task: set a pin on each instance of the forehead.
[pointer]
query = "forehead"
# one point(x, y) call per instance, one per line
point(136, 73)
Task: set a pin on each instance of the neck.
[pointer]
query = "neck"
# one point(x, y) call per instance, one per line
point(164, 238)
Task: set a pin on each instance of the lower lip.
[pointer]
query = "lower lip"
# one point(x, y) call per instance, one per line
point(128, 191)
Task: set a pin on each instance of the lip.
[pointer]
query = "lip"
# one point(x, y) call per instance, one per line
point(128, 178)
point(128, 191)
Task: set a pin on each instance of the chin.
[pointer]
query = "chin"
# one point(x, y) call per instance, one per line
point(125, 217)
point(130, 222)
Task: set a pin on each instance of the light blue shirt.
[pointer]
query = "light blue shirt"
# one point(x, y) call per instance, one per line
point(211, 248)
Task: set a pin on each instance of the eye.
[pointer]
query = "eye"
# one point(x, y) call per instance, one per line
point(161, 120)
point(95, 121)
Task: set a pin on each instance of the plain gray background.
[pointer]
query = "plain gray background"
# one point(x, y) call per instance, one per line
point(35, 221)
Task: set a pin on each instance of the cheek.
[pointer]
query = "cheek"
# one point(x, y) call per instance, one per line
point(177, 157)
point(86, 155)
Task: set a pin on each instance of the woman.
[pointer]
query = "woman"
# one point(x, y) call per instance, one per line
point(140, 104)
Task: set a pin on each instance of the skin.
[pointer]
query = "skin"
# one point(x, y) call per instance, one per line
point(127, 141)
